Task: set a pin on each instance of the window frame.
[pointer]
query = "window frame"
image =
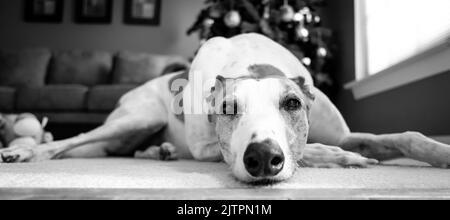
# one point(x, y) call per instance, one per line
point(427, 63)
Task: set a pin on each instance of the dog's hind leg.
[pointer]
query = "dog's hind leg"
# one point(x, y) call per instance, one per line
point(91, 144)
point(91, 150)
point(138, 115)
point(327, 125)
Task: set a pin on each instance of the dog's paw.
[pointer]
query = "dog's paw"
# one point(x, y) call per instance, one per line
point(165, 152)
point(419, 147)
point(168, 152)
point(321, 156)
point(16, 155)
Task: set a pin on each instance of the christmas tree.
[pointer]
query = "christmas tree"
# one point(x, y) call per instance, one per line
point(295, 24)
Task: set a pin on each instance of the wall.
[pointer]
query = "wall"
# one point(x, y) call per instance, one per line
point(169, 38)
point(423, 106)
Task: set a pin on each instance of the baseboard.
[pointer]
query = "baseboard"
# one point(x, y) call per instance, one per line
point(442, 139)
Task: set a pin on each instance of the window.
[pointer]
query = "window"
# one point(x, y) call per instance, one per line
point(399, 42)
point(399, 29)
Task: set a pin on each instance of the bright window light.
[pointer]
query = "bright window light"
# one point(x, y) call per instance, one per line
point(399, 29)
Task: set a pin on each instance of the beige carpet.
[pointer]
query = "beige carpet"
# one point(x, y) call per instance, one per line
point(189, 176)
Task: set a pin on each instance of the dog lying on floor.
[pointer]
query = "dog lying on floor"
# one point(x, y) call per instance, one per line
point(246, 101)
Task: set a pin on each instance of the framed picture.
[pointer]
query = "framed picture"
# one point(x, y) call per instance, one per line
point(142, 12)
point(93, 11)
point(44, 10)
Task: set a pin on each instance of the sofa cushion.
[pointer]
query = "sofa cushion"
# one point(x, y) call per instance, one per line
point(138, 68)
point(7, 98)
point(80, 67)
point(26, 68)
point(52, 98)
point(105, 98)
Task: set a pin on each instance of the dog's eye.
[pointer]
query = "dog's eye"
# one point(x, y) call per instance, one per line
point(230, 108)
point(292, 104)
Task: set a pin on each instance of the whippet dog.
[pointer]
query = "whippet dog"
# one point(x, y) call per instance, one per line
point(246, 101)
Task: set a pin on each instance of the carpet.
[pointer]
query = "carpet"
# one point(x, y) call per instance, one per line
point(116, 178)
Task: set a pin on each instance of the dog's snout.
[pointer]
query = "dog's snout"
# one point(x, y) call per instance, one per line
point(264, 159)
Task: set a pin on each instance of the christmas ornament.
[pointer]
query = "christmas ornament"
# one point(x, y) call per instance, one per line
point(305, 11)
point(309, 18)
point(322, 52)
point(232, 19)
point(287, 12)
point(307, 15)
point(306, 61)
point(266, 14)
point(302, 32)
point(317, 19)
point(208, 22)
point(299, 17)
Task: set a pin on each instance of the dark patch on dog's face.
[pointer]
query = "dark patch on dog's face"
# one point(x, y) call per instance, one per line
point(306, 89)
point(263, 71)
point(182, 76)
point(215, 95)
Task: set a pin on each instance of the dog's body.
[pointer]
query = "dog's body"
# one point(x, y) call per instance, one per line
point(260, 70)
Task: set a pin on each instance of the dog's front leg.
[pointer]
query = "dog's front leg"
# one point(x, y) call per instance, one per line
point(207, 151)
point(106, 135)
point(323, 156)
point(410, 144)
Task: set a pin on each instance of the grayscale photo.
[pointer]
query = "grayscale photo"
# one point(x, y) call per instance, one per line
point(43, 11)
point(144, 8)
point(94, 8)
point(93, 11)
point(44, 7)
point(207, 101)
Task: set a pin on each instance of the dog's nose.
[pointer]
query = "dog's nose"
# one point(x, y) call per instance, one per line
point(264, 159)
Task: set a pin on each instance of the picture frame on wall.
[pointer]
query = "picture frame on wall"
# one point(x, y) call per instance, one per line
point(93, 11)
point(50, 11)
point(142, 12)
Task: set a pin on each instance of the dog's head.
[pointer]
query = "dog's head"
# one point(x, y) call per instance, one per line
point(262, 123)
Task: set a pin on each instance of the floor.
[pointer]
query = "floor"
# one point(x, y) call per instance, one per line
point(144, 179)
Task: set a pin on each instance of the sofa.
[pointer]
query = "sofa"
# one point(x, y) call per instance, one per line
point(75, 86)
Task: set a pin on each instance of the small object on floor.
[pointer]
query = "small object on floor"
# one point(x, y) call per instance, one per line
point(165, 152)
point(23, 130)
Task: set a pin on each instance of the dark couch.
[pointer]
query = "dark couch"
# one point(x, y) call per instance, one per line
point(75, 86)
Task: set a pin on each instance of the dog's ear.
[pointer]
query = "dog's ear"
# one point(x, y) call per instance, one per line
point(216, 92)
point(306, 89)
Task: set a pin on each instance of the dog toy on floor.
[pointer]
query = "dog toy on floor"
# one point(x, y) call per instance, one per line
point(23, 130)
